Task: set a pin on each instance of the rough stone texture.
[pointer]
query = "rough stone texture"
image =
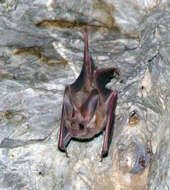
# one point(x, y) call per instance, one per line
point(41, 50)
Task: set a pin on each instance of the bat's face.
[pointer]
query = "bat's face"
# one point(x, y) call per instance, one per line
point(80, 127)
point(83, 122)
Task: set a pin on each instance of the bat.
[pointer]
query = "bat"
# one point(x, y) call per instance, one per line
point(88, 106)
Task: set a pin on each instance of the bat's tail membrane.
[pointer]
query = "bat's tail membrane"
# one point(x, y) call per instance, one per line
point(86, 47)
point(88, 62)
point(87, 69)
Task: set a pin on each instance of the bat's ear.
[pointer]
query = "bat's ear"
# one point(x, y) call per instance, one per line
point(89, 106)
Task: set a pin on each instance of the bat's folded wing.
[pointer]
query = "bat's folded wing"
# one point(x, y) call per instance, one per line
point(67, 111)
point(102, 77)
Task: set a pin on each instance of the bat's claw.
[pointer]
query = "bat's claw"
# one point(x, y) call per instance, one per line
point(101, 159)
point(67, 154)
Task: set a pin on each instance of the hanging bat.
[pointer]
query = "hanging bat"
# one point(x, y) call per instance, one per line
point(88, 106)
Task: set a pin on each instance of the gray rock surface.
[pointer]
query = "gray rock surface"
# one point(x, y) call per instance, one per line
point(41, 51)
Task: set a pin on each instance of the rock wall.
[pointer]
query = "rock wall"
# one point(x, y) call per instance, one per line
point(41, 51)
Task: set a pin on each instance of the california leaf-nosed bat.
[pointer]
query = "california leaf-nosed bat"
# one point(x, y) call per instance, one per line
point(88, 106)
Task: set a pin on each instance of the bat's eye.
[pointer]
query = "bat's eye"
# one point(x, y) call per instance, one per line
point(81, 126)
